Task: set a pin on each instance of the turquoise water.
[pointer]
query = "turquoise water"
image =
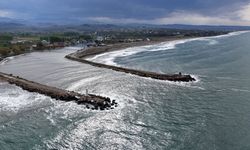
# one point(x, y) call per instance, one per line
point(211, 114)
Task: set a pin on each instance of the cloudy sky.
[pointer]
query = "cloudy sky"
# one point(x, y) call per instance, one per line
point(197, 12)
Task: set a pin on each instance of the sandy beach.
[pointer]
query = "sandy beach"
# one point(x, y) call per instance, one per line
point(81, 56)
point(119, 46)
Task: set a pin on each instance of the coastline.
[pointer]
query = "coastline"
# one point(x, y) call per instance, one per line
point(2, 58)
point(81, 56)
point(93, 51)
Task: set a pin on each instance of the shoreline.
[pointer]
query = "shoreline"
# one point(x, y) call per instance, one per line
point(2, 58)
point(97, 102)
point(93, 51)
point(81, 56)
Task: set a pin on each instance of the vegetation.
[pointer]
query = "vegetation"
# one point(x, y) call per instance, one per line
point(17, 43)
point(53, 39)
point(8, 48)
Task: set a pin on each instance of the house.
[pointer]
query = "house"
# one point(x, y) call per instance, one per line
point(99, 38)
point(93, 44)
point(59, 44)
point(45, 43)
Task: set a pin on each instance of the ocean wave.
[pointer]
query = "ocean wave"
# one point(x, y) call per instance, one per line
point(15, 99)
point(82, 134)
point(240, 90)
point(229, 34)
point(6, 60)
point(109, 58)
point(192, 84)
point(73, 48)
point(75, 86)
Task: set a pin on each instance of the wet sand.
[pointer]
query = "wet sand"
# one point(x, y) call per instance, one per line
point(119, 46)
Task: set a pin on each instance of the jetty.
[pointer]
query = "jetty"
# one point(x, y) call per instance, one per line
point(81, 55)
point(91, 101)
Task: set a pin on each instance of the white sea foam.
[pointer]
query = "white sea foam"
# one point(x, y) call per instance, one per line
point(108, 58)
point(192, 84)
point(84, 131)
point(4, 61)
point(78, 84)
point(240, 90)
point(73, 48)
point(230, 34)
point(110, 127)
point(209, 41)
point(50, 117)
point(14, 99)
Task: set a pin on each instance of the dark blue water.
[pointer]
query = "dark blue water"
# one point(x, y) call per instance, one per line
point(210, 114)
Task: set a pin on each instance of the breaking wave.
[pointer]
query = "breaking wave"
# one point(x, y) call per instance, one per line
point(109, 58)
point(14, 99)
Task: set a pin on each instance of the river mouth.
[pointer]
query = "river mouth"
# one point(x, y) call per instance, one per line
point(151, 114)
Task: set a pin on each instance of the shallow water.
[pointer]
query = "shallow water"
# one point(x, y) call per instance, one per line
point(212, 113)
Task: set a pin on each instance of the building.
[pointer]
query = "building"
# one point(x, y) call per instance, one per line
point(45, 43)
point(99, 38)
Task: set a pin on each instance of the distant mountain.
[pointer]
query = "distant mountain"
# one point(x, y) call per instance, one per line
point(4, 19)
point(206, 27)
point(182, 27)
point(10, 25)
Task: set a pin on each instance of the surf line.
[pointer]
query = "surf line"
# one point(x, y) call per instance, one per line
point(91, 101)
point(82, 54)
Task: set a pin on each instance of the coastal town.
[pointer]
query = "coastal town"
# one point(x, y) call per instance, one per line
point(124, 75)
point(97, 41)
point(15, 43)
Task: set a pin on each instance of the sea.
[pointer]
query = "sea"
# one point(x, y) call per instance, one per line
point(212, 113)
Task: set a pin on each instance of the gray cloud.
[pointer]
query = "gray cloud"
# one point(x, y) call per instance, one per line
point(129, 11)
